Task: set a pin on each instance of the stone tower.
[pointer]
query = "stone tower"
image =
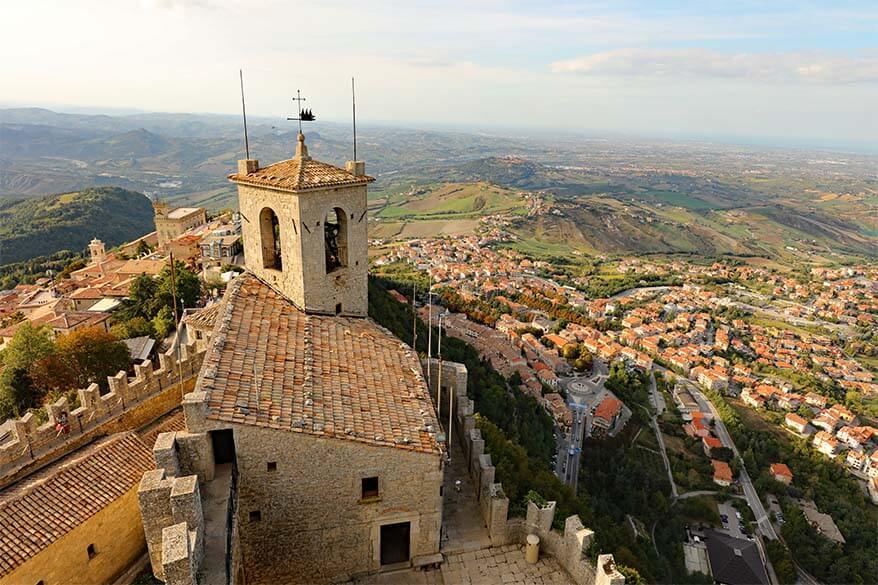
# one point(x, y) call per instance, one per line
point(304, 231)
point(97, 251)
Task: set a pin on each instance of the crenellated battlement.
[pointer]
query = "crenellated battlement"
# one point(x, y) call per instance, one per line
point(569, 548)
point(31, 445)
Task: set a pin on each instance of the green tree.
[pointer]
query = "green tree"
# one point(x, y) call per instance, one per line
point(27, 346)
point(143, 248)
point(141, 301)
point(91, 355)
point(186, 282)
point(163, 323)
point(134, 327)
point(571, 351)
point(17, 393)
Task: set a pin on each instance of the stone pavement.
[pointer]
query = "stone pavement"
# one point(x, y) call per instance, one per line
point(463, 528)
point(404, 577)
point(503, 565)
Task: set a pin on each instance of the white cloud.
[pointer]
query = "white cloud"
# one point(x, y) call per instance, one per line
point(814, 66)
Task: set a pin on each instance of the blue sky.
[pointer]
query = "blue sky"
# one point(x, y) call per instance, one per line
point(798, 71)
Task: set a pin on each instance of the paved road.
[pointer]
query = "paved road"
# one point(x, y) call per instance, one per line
point(743, 478)
point(631, 291)
point(567, 464)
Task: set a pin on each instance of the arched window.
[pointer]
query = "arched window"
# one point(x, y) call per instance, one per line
point(269, 231)
point(335, 234)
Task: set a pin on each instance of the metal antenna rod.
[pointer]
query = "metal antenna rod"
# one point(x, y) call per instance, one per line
point(430, 330)
point(439, 384)
point(299, 100)
point(244, 110)
point(414, 319)
point(354, 106)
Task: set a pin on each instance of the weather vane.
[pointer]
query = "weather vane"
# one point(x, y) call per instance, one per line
point(304, 115)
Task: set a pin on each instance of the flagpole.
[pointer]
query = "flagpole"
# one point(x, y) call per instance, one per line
point(430, 330)
point(176, 319)
point(414, 319)
point(439, 384)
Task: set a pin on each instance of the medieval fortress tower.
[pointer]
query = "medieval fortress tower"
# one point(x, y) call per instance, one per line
point(311, 451)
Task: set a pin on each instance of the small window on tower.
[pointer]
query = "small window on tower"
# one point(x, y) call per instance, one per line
point(92, 552)
point(255, 516)
point(272, 466)
point(370, 487)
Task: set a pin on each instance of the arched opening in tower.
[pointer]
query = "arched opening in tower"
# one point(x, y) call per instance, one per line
point(269, 231)
point(335, 235)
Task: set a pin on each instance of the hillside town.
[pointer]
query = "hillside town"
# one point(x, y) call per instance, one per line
point(751, 333)
point(89, 294)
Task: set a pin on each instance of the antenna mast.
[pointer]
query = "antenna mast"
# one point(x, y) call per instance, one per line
point(244, 111)
point(354, 106)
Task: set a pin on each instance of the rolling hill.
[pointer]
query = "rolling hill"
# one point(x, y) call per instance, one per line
point(68, 221)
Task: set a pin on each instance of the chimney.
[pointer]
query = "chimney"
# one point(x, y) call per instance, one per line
point(247, 166)
point(356, 167)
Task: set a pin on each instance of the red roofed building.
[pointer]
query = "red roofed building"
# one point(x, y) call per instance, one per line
point(722, 473)
point(605, 416)
point(781, 473)
point(711, 443)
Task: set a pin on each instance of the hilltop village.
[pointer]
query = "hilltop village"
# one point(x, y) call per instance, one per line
point(745, 391)
point(275, 433)
point(729, 338)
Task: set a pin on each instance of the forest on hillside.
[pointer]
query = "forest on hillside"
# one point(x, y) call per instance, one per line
point(47, 225)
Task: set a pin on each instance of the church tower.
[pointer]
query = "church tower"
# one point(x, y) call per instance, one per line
point(304, 230)
point(97, 251)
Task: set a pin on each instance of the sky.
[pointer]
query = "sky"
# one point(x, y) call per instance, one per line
point(787, 71)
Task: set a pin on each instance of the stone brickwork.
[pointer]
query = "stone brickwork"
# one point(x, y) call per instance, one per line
point(493, 504)
point(173, 522)
point(300, 511)
point(313, 497)
point(568, 549)
point(301, 217)
point(131, 403)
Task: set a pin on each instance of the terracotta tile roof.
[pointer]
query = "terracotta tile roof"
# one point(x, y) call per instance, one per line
point(781, 469)
point(203, 318)
point(271, 365)
point(77, 319)
point(173, 421)
point(300, 174)
point(721, 470)
point(608, 408)
point(42, 508)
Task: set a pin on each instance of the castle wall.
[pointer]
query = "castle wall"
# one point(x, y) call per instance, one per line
point(568, 548)
point(130, 404)
point(301, 219)
point(117, 534)
point(313, 499)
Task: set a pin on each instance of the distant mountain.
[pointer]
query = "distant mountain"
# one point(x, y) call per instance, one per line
point(68, 221)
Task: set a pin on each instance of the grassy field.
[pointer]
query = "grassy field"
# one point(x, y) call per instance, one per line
point(455, 200)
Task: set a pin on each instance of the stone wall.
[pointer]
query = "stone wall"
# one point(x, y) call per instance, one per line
point(173, 522)
point(301, 218)
point(131, 403)
point(493, 503)
point(568, 548)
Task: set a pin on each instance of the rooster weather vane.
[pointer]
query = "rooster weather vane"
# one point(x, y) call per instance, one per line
point(305, 115)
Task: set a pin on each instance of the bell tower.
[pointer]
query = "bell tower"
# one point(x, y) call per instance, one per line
point(304, 230)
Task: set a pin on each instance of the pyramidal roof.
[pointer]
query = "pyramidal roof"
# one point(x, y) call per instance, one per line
point(300, 173)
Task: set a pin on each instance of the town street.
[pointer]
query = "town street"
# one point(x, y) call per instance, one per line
point(743, 478)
